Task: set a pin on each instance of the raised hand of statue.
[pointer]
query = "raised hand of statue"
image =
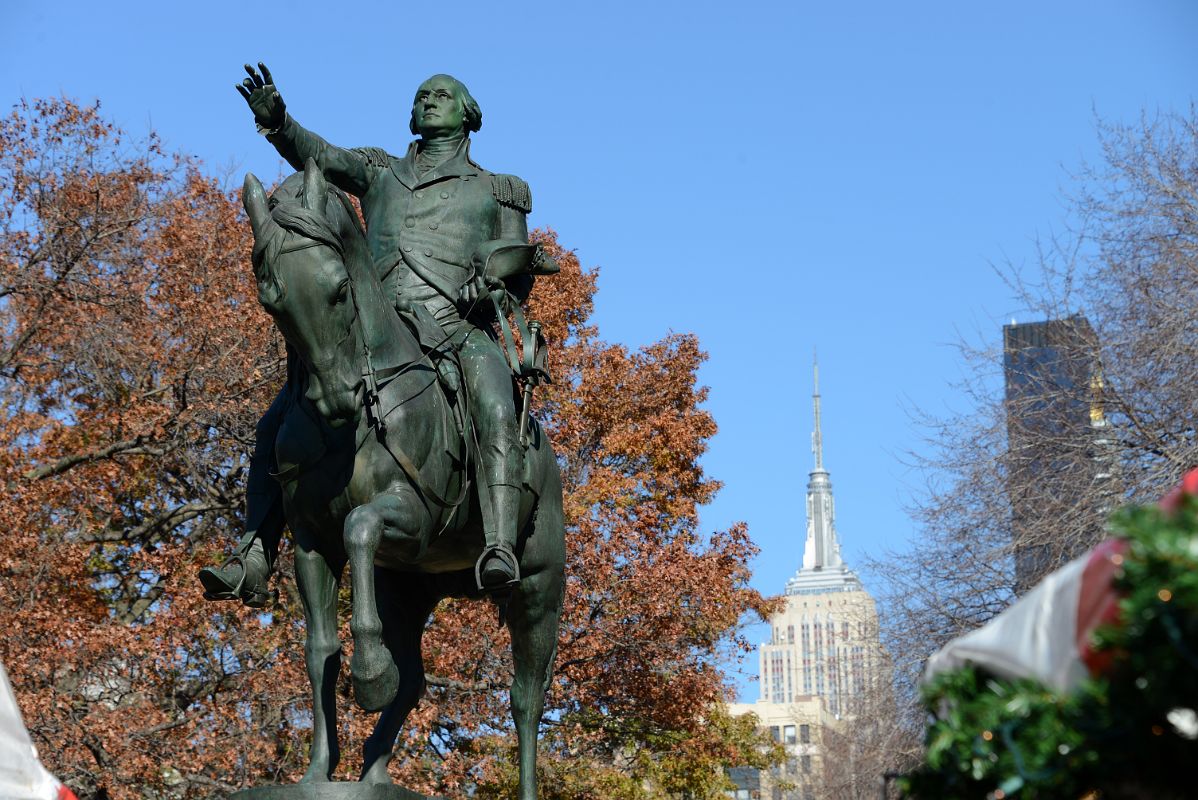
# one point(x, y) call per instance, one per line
point(263, 98)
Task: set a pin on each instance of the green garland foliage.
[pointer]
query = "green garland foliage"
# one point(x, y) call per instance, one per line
point(1130, 734)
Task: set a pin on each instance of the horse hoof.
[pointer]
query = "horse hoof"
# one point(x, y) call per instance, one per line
point(375, 692)
point(377, 775)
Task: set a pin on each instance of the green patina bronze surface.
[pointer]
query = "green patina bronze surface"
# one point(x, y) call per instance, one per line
point(400, 354)
point(329, 791)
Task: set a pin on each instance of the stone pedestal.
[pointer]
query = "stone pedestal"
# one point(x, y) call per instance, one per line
point(333, 790)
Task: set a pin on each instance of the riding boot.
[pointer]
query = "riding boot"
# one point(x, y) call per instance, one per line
point(498, 567)
point(500, 458)
point(245, 574)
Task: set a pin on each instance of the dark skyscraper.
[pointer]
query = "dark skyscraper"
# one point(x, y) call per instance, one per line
point(1060, 460)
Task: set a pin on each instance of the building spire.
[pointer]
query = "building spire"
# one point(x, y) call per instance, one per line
point(817, 436)
point(821, 550)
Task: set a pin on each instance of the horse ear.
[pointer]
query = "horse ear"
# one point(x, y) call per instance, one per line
point(316, 189)
point(253, 197)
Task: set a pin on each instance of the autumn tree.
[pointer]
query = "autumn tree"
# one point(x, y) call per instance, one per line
point(130, 365)
point(1016, 471)
point(134, 362)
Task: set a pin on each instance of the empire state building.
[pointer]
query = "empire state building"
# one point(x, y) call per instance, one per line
point(825, 639)
point(823, 656)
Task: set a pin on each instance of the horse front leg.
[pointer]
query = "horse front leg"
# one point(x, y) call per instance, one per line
point(376, 678)
point(318, 582)
point(405, 603)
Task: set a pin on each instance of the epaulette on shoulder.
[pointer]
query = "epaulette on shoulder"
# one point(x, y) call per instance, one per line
point(511, 191)
point(374, 156)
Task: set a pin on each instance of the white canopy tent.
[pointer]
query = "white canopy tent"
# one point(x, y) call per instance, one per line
point(22, 776)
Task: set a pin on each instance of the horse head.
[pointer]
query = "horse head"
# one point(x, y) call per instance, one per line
point(307, 239)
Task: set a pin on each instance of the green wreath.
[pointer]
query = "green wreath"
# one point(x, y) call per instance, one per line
point(1132, 733)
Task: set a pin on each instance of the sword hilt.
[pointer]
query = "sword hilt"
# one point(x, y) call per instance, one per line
point(531, 376)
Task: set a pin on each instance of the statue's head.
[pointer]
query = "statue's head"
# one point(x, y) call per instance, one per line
point(443, 106)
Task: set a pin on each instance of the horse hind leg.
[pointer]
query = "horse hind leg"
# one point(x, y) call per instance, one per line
point(318, 583)
point(534, 613)
point(405, 603)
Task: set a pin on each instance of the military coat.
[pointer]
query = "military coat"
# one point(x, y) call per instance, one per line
point(423, 230)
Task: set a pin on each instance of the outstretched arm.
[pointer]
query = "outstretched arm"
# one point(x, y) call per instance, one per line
point(347, 169)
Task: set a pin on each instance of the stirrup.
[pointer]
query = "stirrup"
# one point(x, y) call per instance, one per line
point(256, 598)
point(504, 554)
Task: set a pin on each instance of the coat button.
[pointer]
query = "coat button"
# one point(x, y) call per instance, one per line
point(432, 226)
point(407, 248)
point(410, 222)
point(444, 195)
point(428, 253)
point(419, 195)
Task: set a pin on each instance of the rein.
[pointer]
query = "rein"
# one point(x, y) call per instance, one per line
point(310, 243)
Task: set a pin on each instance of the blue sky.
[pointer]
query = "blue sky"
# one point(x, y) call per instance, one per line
point(775, 177)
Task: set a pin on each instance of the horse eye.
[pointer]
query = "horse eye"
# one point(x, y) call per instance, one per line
point(342, 293)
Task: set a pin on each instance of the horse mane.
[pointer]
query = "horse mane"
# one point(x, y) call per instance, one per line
point(337, 225)
point(337, 230)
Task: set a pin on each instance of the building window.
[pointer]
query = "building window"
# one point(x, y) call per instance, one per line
point(792, 765)
point(777, 687)
point(804, 734)
point(805, 631)
point(776, 793)
point(775, 733)
point(788, 734)
point(806, 762)
point(858, 670)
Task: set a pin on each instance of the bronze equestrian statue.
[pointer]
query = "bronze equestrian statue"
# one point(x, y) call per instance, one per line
point(396, 445)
